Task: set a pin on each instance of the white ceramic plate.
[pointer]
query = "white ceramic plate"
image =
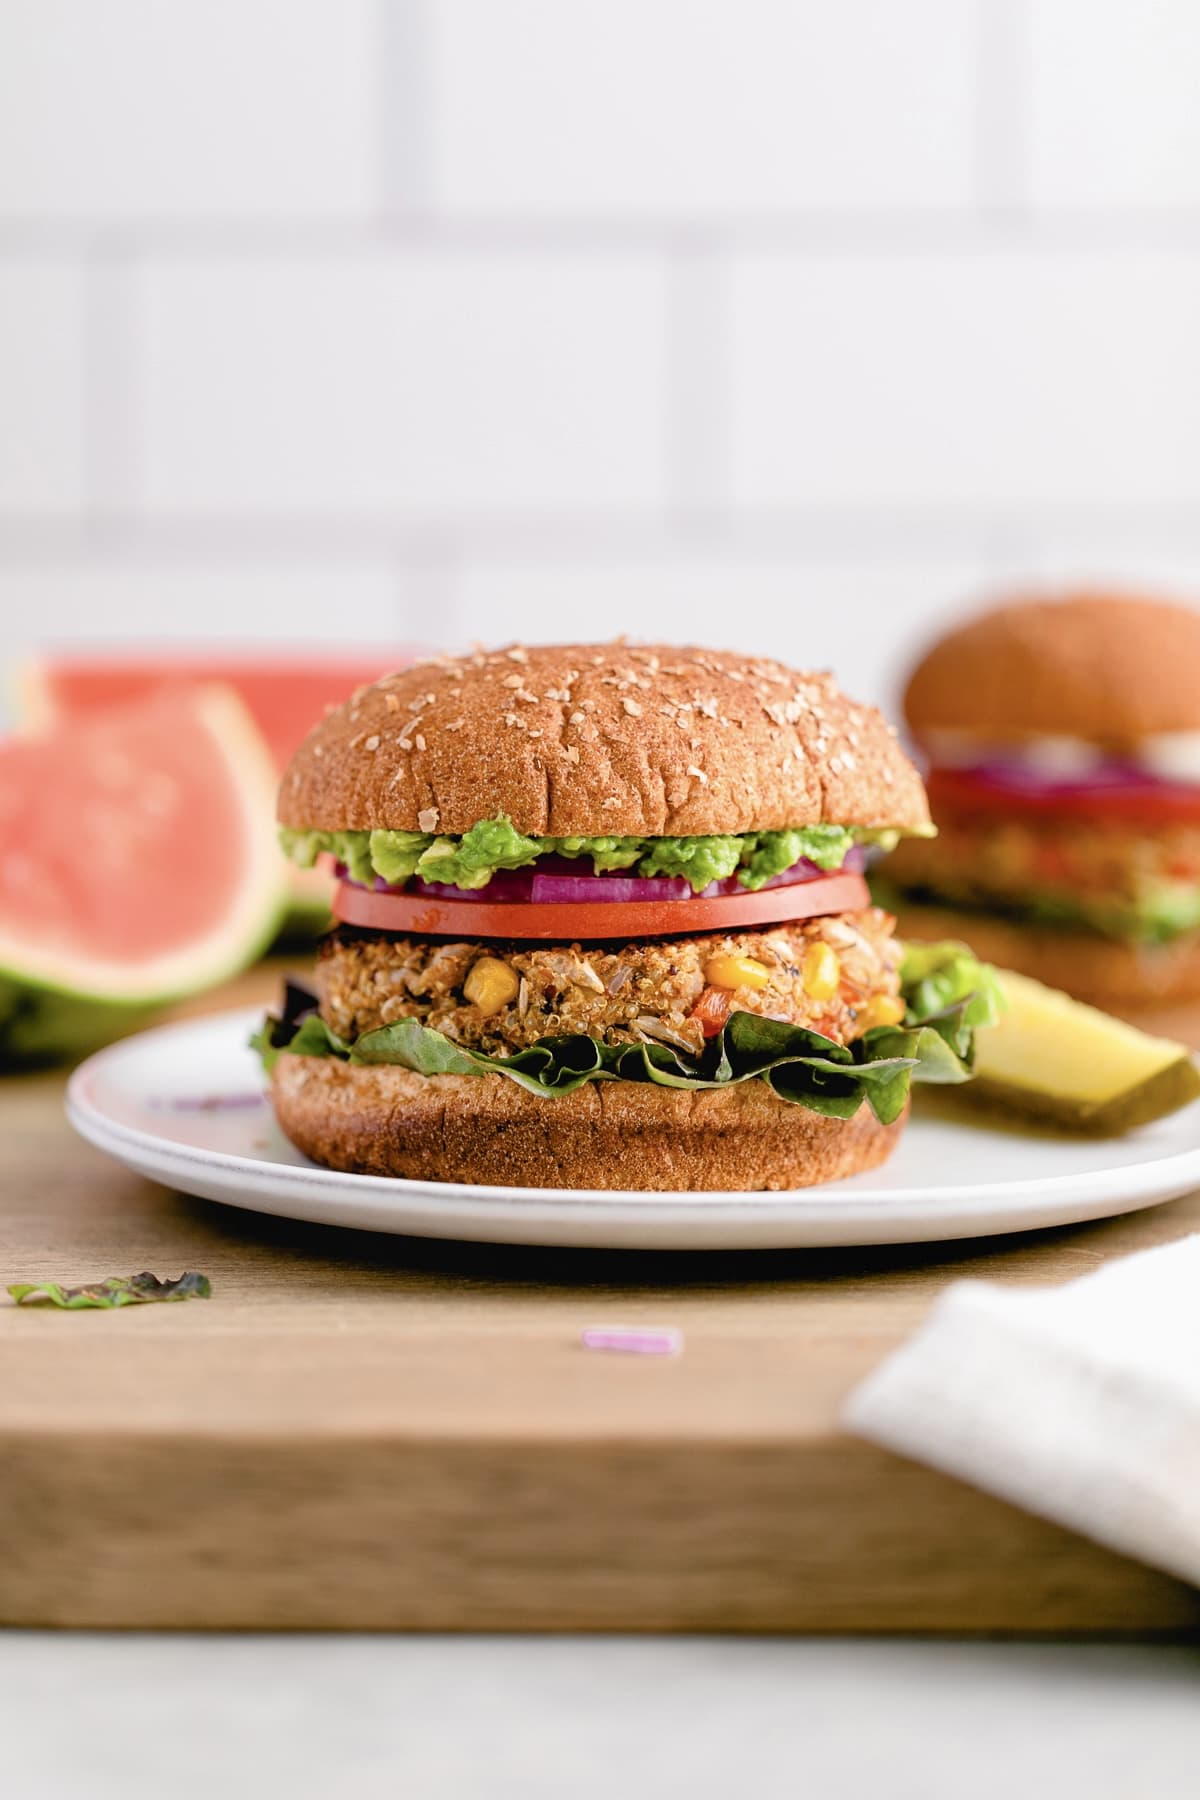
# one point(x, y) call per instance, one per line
point(184, 1104)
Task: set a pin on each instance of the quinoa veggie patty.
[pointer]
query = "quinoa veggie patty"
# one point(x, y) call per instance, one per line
point(635, 993)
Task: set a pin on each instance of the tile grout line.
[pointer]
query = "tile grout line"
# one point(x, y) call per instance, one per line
point(403, 126)
point(696, 395)
point(805, 534)
point(1001, 172)
point(1057, 232)
point(109, 402)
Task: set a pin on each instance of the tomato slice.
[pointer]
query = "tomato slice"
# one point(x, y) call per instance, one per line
point(1144, 802)
point(567, 923)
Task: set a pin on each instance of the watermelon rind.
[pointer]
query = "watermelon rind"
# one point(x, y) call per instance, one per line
point(309, 902)
point(61, 1004)
point(43, 1024)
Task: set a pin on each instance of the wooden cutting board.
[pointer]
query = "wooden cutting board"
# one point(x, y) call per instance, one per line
point(369, 1432)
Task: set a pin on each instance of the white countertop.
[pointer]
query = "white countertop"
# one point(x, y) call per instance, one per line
point(580, 1719)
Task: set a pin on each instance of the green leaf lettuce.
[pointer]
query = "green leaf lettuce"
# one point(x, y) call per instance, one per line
point(113, 1291)
point(948, 995)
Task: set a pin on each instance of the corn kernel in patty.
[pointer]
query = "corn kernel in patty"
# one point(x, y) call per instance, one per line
point(734, 972)
point(822, 971)
point(490, 985)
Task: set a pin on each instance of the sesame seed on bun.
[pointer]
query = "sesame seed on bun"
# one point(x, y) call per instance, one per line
point(596, 739)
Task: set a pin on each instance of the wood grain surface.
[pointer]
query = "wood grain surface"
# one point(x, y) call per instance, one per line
point(370, 1432)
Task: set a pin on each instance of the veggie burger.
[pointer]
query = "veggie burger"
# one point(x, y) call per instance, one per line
point(1063, 738)
point(601, 921)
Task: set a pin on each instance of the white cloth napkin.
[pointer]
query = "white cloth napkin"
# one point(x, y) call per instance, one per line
point(1079, 1403)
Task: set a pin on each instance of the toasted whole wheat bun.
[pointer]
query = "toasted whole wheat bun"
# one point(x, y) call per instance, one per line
point(593, 739)
point(1117, 976)
point(612, 1134)
point(1107, 668)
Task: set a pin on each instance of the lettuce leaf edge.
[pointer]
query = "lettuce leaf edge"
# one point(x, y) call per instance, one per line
point(948, 994)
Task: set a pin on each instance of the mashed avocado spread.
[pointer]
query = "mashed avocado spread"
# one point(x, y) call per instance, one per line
point(471, 861)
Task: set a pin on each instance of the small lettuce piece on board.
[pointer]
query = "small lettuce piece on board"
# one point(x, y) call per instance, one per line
point(114, 1290)
point(1053, 1059)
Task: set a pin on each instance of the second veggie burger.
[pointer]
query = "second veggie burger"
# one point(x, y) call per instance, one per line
point(602, 922)
point(1063, 737)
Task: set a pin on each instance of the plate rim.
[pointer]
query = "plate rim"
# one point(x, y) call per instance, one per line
point(93, 1124)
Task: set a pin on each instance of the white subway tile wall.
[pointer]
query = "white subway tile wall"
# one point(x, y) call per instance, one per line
point(661, 109)
point(811, 613)
point(770, 322)
point(133, 111)
point(105, 599)
point(403, 384)
point(999, 379)
point(1113, 115)
point(43, 310)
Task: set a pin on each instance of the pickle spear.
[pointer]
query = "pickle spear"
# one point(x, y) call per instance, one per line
point(1054, 1059)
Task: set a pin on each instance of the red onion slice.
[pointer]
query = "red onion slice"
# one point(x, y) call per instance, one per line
point(584, 890)
point(506, 884)
point(545, 885)
point(1104, 778)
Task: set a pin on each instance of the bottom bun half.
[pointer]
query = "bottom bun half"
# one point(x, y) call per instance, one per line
point(1106, 972)
point(612, 1134)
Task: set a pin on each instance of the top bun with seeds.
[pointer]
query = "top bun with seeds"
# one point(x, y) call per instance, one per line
point(1104, 667)
point(598, 739)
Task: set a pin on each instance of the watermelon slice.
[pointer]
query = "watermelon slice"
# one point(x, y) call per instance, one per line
point(286, 697)
point(138, 865)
